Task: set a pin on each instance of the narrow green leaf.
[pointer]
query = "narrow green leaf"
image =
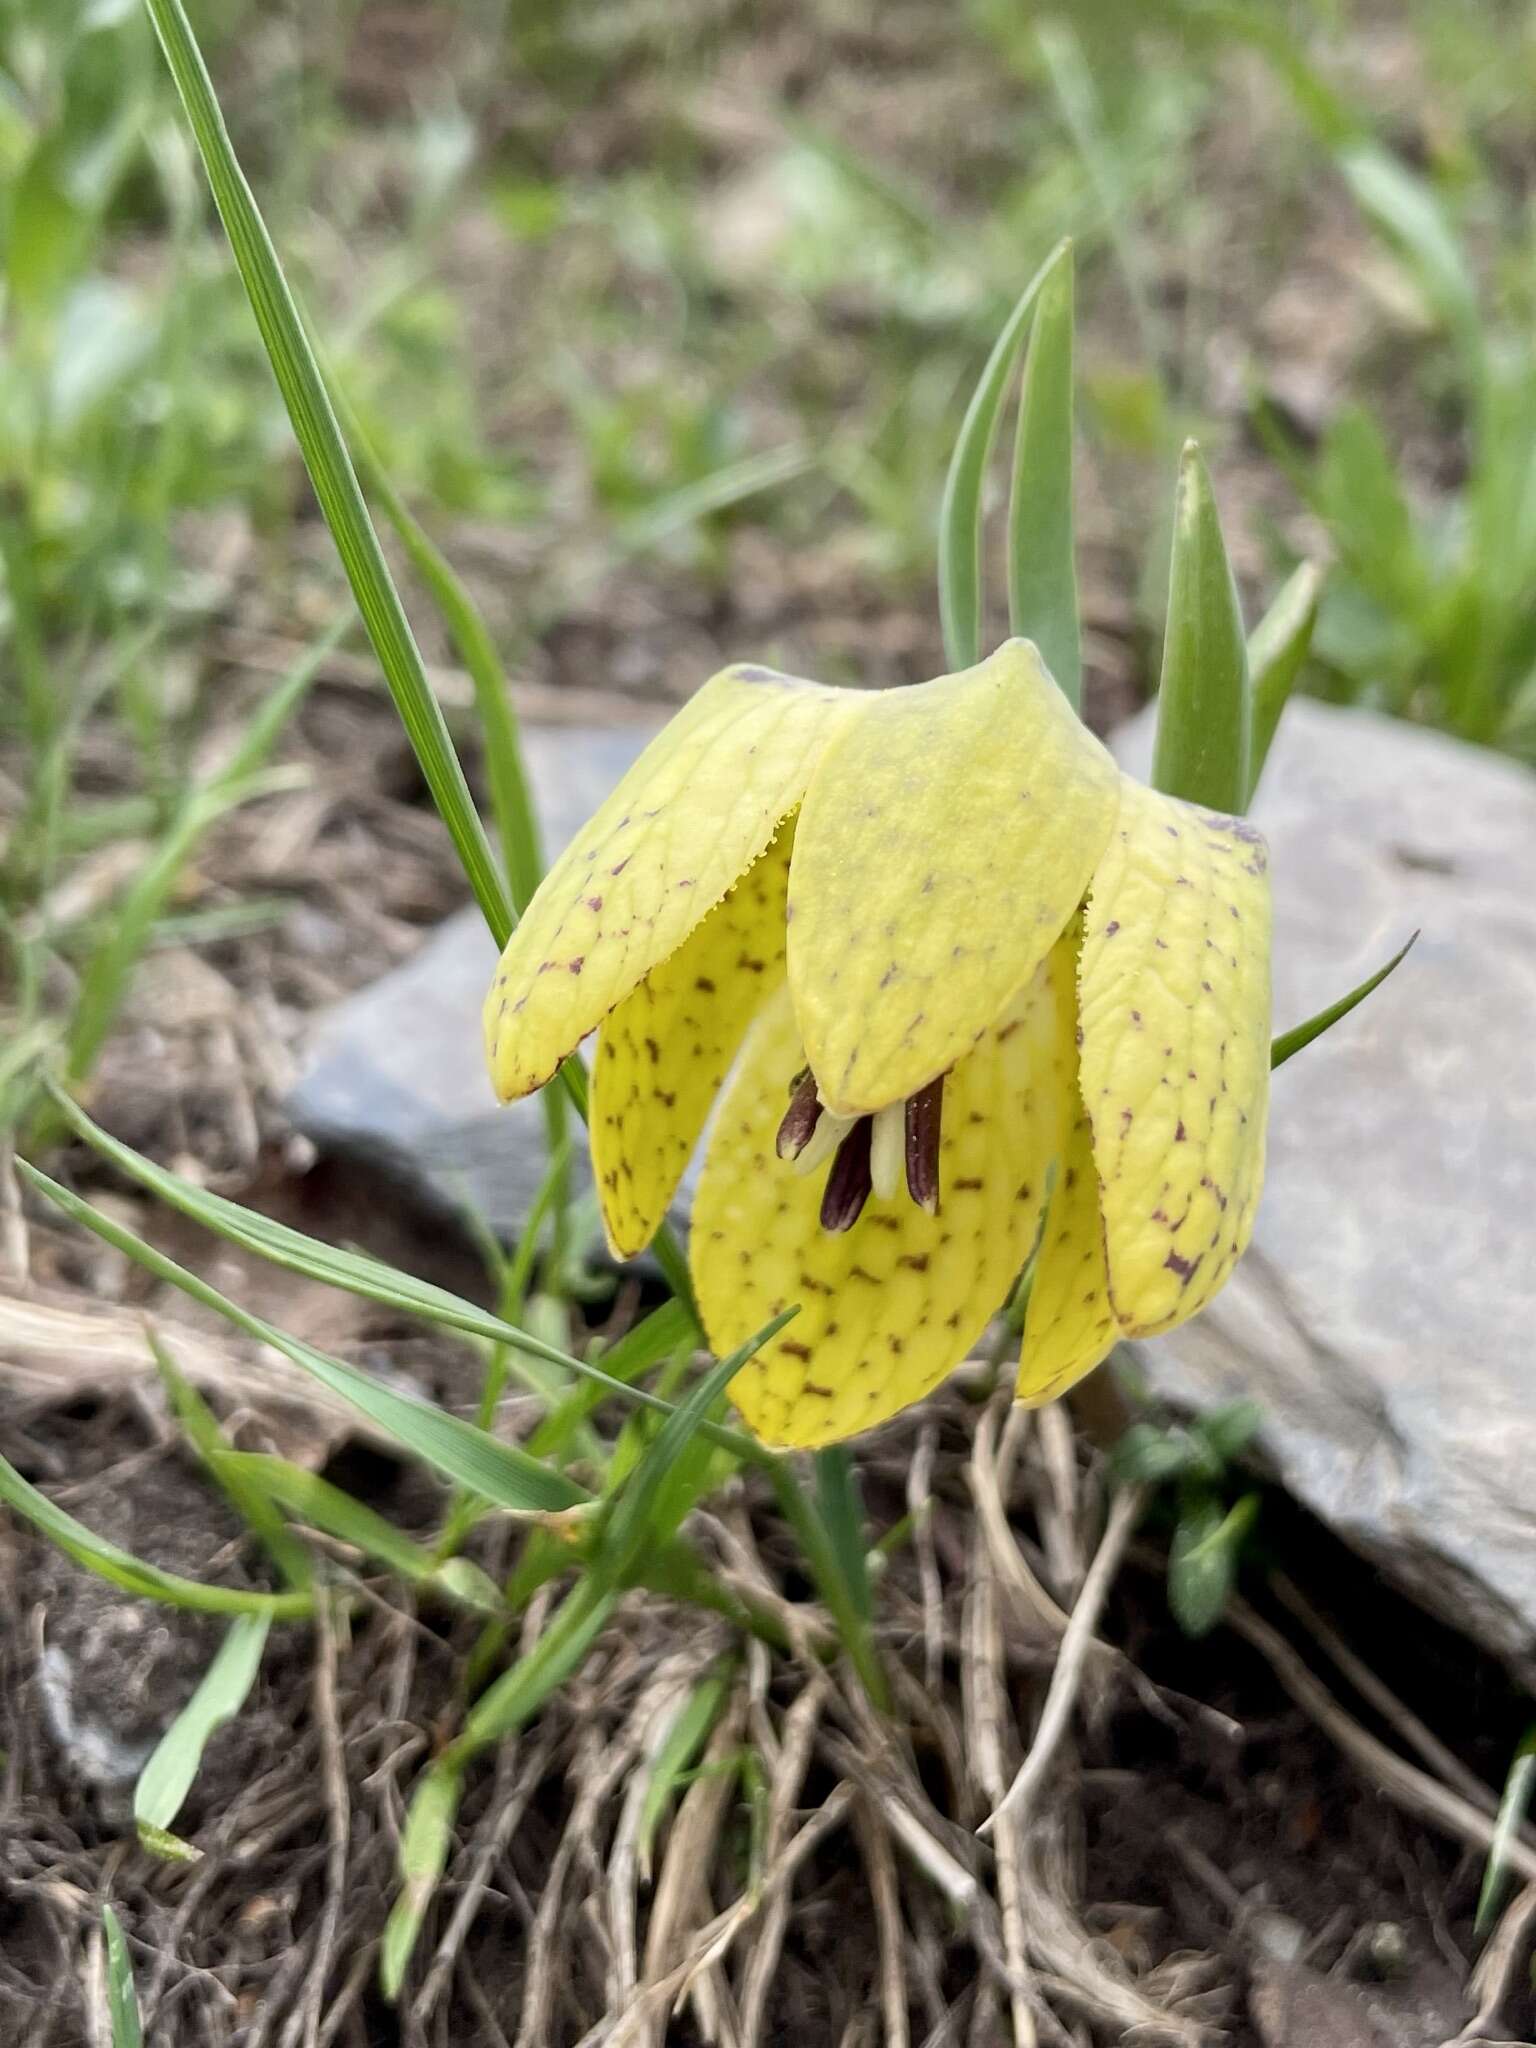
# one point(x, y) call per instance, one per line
point(122, 1999)
point(1042, 564)
point(683, 1741)
point(1513, 1807)
point(1083, 114)
point(425, 1842)
point(638, 1520)
point(167, 1778)
point(315, 1501)
point(1277, 648)
point(1203, 711)
point(518, 1694)
point(1292, 1042)
point(208, 1440)
point(842, 1512)
point(822, 1561)
point(133, 919)
point(517, 824)
point(960, 593)
point(357, 1273)
point(1406, 210)
point(329, 466)
point(500, 1472)
point(122, 1568)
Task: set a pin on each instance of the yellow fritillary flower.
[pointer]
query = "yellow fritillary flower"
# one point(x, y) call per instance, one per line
point(952, 984)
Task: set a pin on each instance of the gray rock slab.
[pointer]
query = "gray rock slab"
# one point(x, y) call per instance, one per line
point(1383, 1318)
point(395, 1075)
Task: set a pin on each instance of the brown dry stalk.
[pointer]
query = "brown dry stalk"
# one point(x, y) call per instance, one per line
point(1076, 1645)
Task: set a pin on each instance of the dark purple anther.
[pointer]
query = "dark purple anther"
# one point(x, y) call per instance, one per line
point(925, 1114)
point(848, 1184)
point(800, 1119)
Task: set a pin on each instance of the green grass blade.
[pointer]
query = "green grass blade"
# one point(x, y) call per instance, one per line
point(960, 590)
point(122, 1999)
point(500, 1473)
point(1277, 648)
point(315, 1501)
point(1042, 564)
point(354, 1272)
point(329, 466)
point(648, 1511)
point(425, 1841)
point(822, 1561)
point(683, 1741)
point(121, 1568)
point(105, 979)
point(207, 1439)
point(1291, 1042)
point(167, 1778)
point(1513, 1806)
point(1083, 116)
point(507, 1706)
point(842, 1512)
point(1203, 712)
point(517, 824)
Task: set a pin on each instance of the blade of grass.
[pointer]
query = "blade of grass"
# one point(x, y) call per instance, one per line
point(1518, 1786)
point(122, 1999)
point(315, 1501)
point(356, 1273)
point(960, 585)
point(682, 1742)
point(1042, 566)
point(1289, 1043)
point(106, 976)
point(121, 1568)
point(821, 1557)
point(499, 1472)
point(329, 465)
point(842, 1511)
point(166, 1779)
point(335, 484)
point(207, 1439)
point(1083, 116)
point(509, 1704)
point(1203, 712)
point(1277, 648)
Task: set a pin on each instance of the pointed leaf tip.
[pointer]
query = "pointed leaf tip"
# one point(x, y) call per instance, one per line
point(1203, 720)
point(1291, 1042)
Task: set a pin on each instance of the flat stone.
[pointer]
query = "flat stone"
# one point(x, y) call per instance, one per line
point(396, 1075)
point(1382, 1319)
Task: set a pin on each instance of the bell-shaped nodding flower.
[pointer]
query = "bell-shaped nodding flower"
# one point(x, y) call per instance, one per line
point(954, 987)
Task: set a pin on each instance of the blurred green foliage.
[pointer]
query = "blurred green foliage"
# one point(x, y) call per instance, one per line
point(656, 293)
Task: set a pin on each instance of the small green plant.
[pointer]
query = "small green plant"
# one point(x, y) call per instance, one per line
point(1193, 1463)
point(1430, 612)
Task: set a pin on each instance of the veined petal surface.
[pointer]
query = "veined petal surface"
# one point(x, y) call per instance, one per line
point(891, 1306)
point(695, 811)
point(1069, 1326)
point(664, 1052)
point(947, 836)
point(1174, 1066)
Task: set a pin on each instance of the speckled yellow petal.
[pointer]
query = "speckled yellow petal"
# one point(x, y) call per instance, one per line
point(1174, 999)
point(664, 1052)
point(947, 836)
point(892, 1305)
point(1070, 1324)
point(694, 812)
